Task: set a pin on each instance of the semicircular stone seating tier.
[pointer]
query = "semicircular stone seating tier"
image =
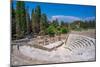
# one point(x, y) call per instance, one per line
point(79, 42)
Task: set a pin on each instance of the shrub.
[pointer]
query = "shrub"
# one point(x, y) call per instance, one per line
point(51, 30)
point(64, 30)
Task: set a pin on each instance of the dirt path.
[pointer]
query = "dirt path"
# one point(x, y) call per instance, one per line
point(18, 58)
point(90, 33)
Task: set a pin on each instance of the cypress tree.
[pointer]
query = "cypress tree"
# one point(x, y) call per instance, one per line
point(13, 23)
point(21, 27)
point(43, 24)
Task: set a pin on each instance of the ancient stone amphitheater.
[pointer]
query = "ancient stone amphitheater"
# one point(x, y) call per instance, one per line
point(72, 49)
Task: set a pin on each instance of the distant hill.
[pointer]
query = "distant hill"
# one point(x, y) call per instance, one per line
point(70, 19)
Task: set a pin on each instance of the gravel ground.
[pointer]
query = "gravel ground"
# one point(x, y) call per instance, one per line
point(90, 33)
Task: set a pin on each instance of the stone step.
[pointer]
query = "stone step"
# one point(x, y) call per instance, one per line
point(68, 48)
point(79, 43)
point(90, 41)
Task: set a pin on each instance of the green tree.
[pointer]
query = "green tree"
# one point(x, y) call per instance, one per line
point(28, 21)
point(51, 30)
point(36, 15)
point(34, 27)
point(13, 23)
point(21, 26)
point(62, 23)
point(64, 30)
point(43, 24)
point(55, 23)
point(37, 18)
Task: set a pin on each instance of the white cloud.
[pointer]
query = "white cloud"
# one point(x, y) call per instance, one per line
point(65, 18)
point(89, 18)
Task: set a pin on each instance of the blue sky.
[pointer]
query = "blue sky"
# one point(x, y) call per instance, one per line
point(63, 12)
